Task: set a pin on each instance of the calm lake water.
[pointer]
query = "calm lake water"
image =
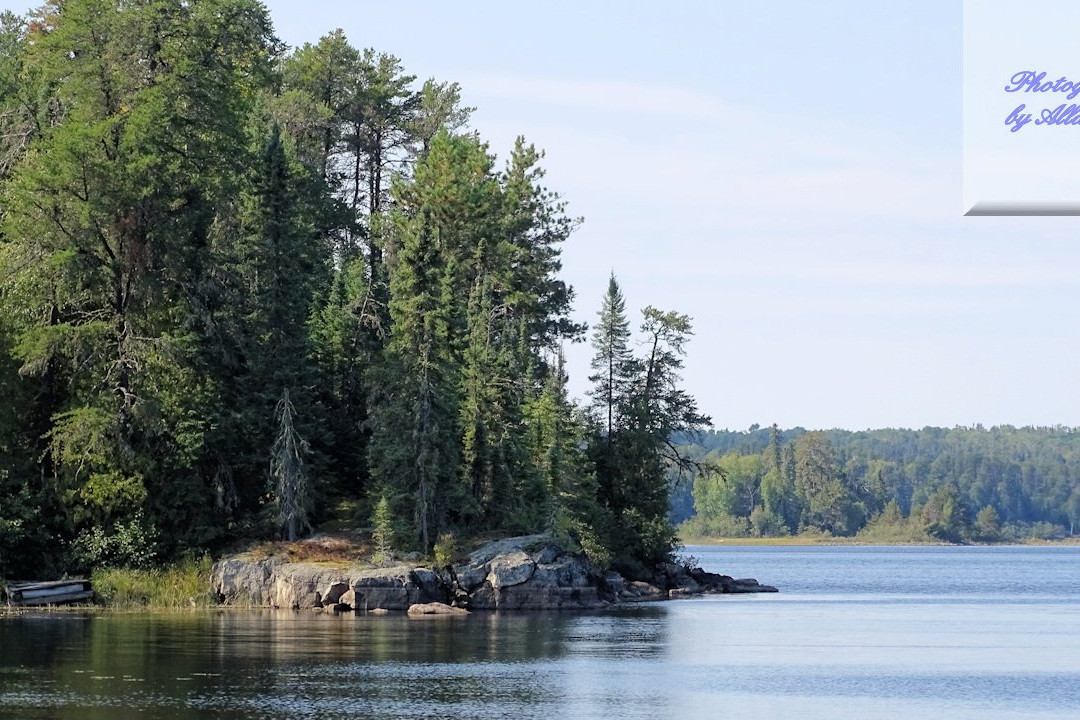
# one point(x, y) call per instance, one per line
point(987, 633)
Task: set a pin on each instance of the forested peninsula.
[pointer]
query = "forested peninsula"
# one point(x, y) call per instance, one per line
point(963, 484)
point(249, 291)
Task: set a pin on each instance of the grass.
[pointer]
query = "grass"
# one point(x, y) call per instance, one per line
point(185, 584)
point(340, 548)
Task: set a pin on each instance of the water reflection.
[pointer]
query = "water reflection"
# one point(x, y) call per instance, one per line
point(852, 638)
point(285, 664)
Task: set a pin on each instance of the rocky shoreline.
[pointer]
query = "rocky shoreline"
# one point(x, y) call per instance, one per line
point(531, 572)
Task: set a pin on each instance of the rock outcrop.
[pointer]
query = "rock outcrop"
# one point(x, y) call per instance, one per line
point(532, 572)
point(298, 586)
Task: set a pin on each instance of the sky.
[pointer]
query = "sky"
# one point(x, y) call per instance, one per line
point(789, 174)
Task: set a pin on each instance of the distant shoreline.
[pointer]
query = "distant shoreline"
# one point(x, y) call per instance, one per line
point(815, 540)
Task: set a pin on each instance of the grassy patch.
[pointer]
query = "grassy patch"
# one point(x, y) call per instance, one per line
point(337, 549)
point(183, 585)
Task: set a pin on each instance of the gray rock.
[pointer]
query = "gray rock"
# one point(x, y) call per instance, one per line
point(511, 569)
point(348, 598)
point(637, 590)
point(332, 594)
point(750, 585)
point(547, 554)
point(614, 584)
point(529, 573)
point(507, 546)
point(470, 577)
point(435, 609)
point(430, 583)
point(302, 585)
point(483, 597)
point(385, 598)
point(242, 582)
point(396, 588)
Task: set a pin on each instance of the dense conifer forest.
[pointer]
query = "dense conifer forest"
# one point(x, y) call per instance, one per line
point(247, 290)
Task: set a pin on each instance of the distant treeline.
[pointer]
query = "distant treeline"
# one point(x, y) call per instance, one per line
point(958, 484)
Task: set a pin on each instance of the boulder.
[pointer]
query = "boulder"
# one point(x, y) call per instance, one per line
point(507, 546)
point(331, 595)
point(302, 585)
point(430, 583)
point(435, 609)
point(546, 554)
point(509, 570)
point(639, 590)
point(242, 582)
point(749, 585)
point(396, 588)
point(715, 583)
point(674, 575)
point(530, 572)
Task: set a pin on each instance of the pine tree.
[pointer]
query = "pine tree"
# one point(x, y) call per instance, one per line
point(320, 82)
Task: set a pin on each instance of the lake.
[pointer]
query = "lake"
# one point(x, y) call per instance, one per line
point(991, 633)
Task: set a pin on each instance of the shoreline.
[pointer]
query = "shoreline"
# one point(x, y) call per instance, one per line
point(814, 540)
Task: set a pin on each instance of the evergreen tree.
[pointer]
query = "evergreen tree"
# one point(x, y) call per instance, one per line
point(438, 108)
point(107, 226)
point(641, 408)
point(319, 86)
point(612, 363)
point(417, 397)
point(288, 479)
point(383, 534)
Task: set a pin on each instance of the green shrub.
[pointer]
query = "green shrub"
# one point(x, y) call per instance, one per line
point(445, 550)
point(131, 545)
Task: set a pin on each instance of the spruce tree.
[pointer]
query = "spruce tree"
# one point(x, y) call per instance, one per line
point(612, 363)
point(288, 478)
point(108, 224)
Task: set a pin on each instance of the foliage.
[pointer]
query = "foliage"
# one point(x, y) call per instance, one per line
point(638, 406)
point(934, 484)
point(131, 545)
point(240, 288)
point(383, 534)
point(183, 584)
point(987, 524)
point(445, 550)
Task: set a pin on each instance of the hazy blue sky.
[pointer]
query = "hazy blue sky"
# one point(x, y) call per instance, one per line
point(788, 174)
